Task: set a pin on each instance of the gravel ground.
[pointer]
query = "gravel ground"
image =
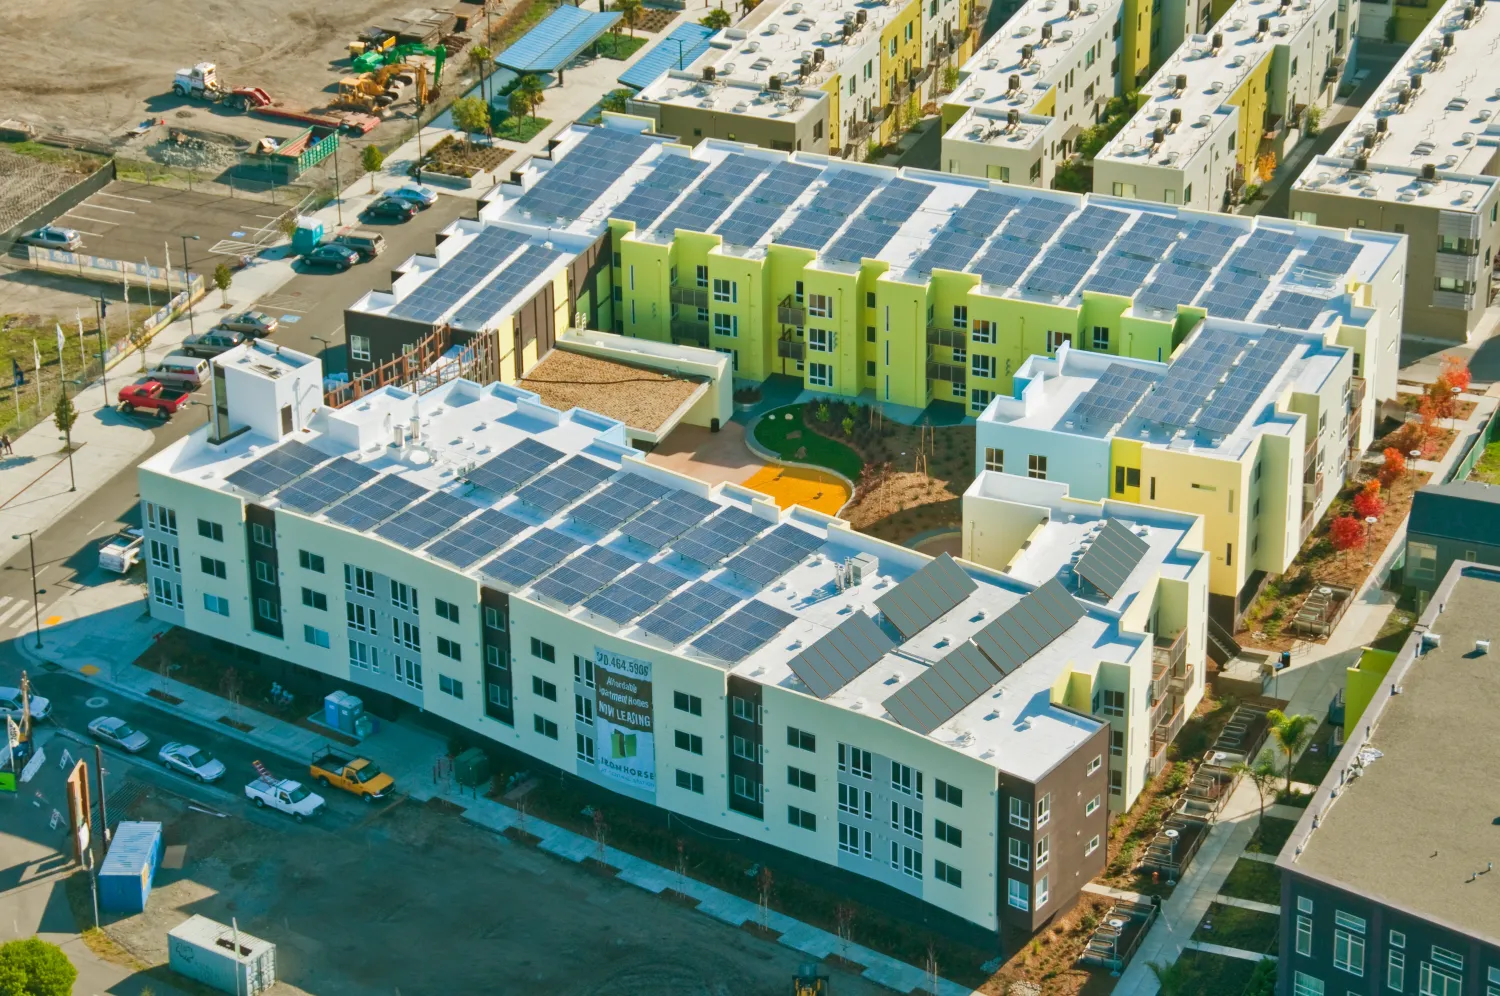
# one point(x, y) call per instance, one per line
point(642, 399)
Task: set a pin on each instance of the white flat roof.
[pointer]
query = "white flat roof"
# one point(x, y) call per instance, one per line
point(736, 96)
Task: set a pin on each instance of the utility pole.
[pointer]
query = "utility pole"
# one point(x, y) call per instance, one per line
point(103, 808)
point(36, 594)
point(338, 188)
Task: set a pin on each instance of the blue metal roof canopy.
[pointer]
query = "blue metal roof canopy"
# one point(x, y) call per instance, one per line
point(676, 51)
point(558, 40)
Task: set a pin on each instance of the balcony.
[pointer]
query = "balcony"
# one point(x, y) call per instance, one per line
point(1160, 700)
point(689, 333)
point(695, 297)
point(956, 374)
point(1310, 459)
point(1164, 731)
point(1170, 651)
point(1308, 520)
point(1311, 489)
point(952, 338)
point(788, 313)
point(1182, 679)
point(791, 349)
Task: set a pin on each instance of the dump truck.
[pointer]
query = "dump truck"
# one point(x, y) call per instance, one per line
point(354, 774)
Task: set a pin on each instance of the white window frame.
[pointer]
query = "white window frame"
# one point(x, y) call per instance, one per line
point(359, 348)
point(1018, 894)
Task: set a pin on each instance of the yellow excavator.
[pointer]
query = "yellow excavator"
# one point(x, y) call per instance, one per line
point(809, 982)
point(370, 91)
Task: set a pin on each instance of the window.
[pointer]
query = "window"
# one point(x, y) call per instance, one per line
point(167, 592)
point(359, 581)
point(797, 778)
point(543, 650)
point(1448, 959)
point(261, 535)
point(311, 562)
point(1306, 985)
point(819, 306)
point(801, 818)
point(820, 374)
point(994, 459)
point(907, 820)
point(211, 530)
point(1056, 339)
point(1304, 935)
point(404, 597)
point(1395, 970)
point(1018, 893)
point(944, 872)
point(360, 618)
point(449, 648)
point(984, 331)
point(690, 704)
point(700, 276)
point(1093, 845)
point(583, 671)
point(726, 324)
point(1114, 703)
point(821, 340)
point(266, 609)
point(748, 788)
point(161, 517)
point(450, 686)
point(743, 709)
point(1435, 980)
point(545, 689)
point(212, 567)
point(960, 316)
point(317, 637)
point(1422, 560)
point(446, 610)
point(1398, 939)
point(404, 633)
point(727, 291)
point(359, 347)
point(849, 797)
point(493, 619)
point(361, 656)
point(1101, 338)
point(1091, 806)
point(747, 749)
point(951, 794)
point(902, 779)
point(1042, 893)
point(1116, 782)
point(1095, 764)
point(690, 742)
point(849, 841)
point(314, 599)
point(1019, 853)
point(1122, 190)
point(409, 672)
point(263, 572)
point(545, 727)
point(496, 657)
point(583, 746)
point(1043, 854)
point(801, 739)
point(688, 780)
point(948, 833)
point(1036, 467)
point(500, 696)
point(1001, 173)
point(1117, 743)
point(1020, 813)
point(979, 399)
point(982, 366)
point(907, 860)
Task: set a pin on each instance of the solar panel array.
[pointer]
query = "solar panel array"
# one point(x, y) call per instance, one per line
point(1234, 294)
point(1264, 252)
point(711, 541)
point(383, 498)
point(563, 484)
point(1190, 378)
point(635, 593)
point(1329, 255)
point(1205, 246)
point(504, 287)
point(555, 42)
point(841, 655)
point(585, 574)
point(1119, 274)
point(621, 500)
point(1037, 220)
point(426, 519)
point(712, 196)
point(745, 632)
point(1151, 236)
point(279, 467)
point(1093, 229)
point(478, 538)
point(324, 486)
point(915, 603)
point(1172, 284)
point(879, 222)
point(514, 467)
point(1111, 557)
point(773, 554)
point(530, 559)
point(677, 50)
point(460, 275)
point(668, 519)
point(843, 191)
point(967, 230)
point(1293, 310)
point(663, 185)
point(1061, 270)
point(755, 215)
point(1004, 261)
point(572, 185)
point(972, 669)
point(1113, 395)
point(1246, 381)
point(688, 612)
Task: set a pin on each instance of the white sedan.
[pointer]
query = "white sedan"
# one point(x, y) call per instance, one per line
point(10, 704)
point(113, 730)
point(190, 760)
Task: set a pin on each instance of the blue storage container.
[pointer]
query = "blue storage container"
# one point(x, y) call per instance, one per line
point(128, 869)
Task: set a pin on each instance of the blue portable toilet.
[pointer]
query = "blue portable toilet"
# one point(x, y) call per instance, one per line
point(128, 869)
point(308, 235)
point(333, 704)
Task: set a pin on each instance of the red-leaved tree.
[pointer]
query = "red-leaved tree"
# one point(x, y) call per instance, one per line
point(1393, 468)
point(1346, 532)
point(1455, 373)
point(1368, 502)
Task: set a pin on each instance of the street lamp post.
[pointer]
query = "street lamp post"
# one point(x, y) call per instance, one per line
point(68, 442)
point(36, 593)
point(188, 280)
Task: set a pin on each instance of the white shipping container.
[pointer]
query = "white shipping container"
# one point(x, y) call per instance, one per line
point(204, 950)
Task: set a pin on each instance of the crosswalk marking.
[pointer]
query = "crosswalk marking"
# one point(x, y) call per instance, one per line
point(26, 620)
point(10, 611)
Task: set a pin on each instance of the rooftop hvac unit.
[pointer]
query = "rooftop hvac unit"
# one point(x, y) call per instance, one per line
point(1239, 60)
point(1046, 33)
point(1014, 83)
point(1181, 82)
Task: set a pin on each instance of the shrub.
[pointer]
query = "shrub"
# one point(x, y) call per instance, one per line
point(33, 967)
point(823, 414)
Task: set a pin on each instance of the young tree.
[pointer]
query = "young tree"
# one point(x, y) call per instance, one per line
point(1346, 532)
point(518, 104)
point(615, 100)
point(33, 967)
point(1455, 373)
point(716, 19)
point(1291, 734)
point(950, 78)
point(372, 159)
point(1262, 775)
point(223, 277)
point(630, 13)
point(65, 415)
point(1265, 166)
point(470, 115)
point(479, 58)
point(1393, 467)
point(531, 86)
point(1368, 502)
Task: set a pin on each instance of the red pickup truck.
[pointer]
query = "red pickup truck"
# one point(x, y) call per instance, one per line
point(152, 394)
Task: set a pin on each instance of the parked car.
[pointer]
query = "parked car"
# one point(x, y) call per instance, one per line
point(392, 207)
point(288, 796)
point(190, 760)
point(213, 342)
point(420, 196)
point(254, 323)
point(354, 774)
point(53, 237)
point(181, 371)
point(153, 395)
point(113, 730)
point(329, 254)
point(367, 243)
point(10, 704)
point(121, 551)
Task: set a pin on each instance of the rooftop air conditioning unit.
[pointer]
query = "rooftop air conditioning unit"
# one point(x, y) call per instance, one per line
point(1481, 646)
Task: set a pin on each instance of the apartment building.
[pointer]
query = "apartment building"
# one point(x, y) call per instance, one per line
point(1024, 96)
point(1385, 881)
point(1420, 158)
point(1402, 22)
point(1449, 521)
point(807, 75)
point(926, 728)
point(1221, 99)
point(1146, 563)
point(1249, 425)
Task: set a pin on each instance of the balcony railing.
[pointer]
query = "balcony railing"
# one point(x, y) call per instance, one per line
point(1167, 729)
point(1307, 521)
point(689, 332)
point(791, 349)
point(955, 373)
point(788, 313)
point(952, 338)
point(1170, 650)
point(1311, 489)
point(1182, 679)
point(1309, 458)
point(696, 297)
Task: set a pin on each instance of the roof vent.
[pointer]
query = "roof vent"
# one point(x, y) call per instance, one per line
point(1429, 171)
point(1181, 82)
point(1481, 646)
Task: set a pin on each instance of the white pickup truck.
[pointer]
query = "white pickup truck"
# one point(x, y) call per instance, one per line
point(120, 552)
point(288, 796)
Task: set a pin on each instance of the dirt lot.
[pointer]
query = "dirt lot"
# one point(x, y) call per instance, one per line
point(93, 70)
point(418, 902)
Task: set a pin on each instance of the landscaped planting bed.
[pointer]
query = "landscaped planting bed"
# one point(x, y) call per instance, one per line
point(1237, 927)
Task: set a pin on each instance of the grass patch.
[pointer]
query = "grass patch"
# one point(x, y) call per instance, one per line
point(1236, 927)
point(1271, 835)
point(617, 46)
point(521, 130)
point(19, 330)
point(1487, 469)
point(81, 162)
point(1256, 880)
point(784, 433)
point(1314, 765)
point(1202, 972)
point(1394, 631)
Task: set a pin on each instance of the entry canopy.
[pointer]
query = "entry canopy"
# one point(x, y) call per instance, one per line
point(557, 41)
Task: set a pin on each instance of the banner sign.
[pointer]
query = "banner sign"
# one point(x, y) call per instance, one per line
point(626, 749)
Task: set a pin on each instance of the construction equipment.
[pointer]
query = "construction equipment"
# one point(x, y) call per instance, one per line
point(372, 61)
point(809, 982)
point(202, 83)
point(371, 40)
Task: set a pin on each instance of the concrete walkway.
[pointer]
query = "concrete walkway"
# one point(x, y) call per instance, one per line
point(1227, 952)
point(1247, 904)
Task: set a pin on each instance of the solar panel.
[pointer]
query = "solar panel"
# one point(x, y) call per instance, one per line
point(1190, 377)
point(841, 655)
point(504, 473)
point(745, 632)
point(663, 185)
point(842, 192)
point(703, 205)
point(478, 538)
point(383, 498)
point(429, 517)
point(1119, 274)
point(915, 603)
point(1004, 261)
point(1113, 395)
point(624, 498)
point(1237, 395)
point(1264, 252)
point(1093, 228)
point(1150, 237)
point(773, 554)
point(530, 558)
point(1173, 284)
point(504, 287)
point(635, 593)
point(688, 612)
point(668, 519)
point(1234, 293)
point(677, 50)
point(276, 468)
point(460, 275)
point(324, 486)
point(767, 202)
point(585, 574)
point(563, 484)
point(879, 222)
point(1037, 220)
point(1205, 245)
point(1060, 270)
point(572, 185)
point(711, 541)
point(555, 42)
point(1293, 310)
point(1109, 560)
point(1329, 255)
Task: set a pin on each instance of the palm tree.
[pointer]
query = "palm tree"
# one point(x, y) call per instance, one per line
point(1262, 775)
point(630, 13)
point(1291, 734)
point(716, 19)
point(479, 58)
point(530, 86)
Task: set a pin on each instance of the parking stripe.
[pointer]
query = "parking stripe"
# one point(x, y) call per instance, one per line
point(138, 200)
point(96, 221)
point(105, 207)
